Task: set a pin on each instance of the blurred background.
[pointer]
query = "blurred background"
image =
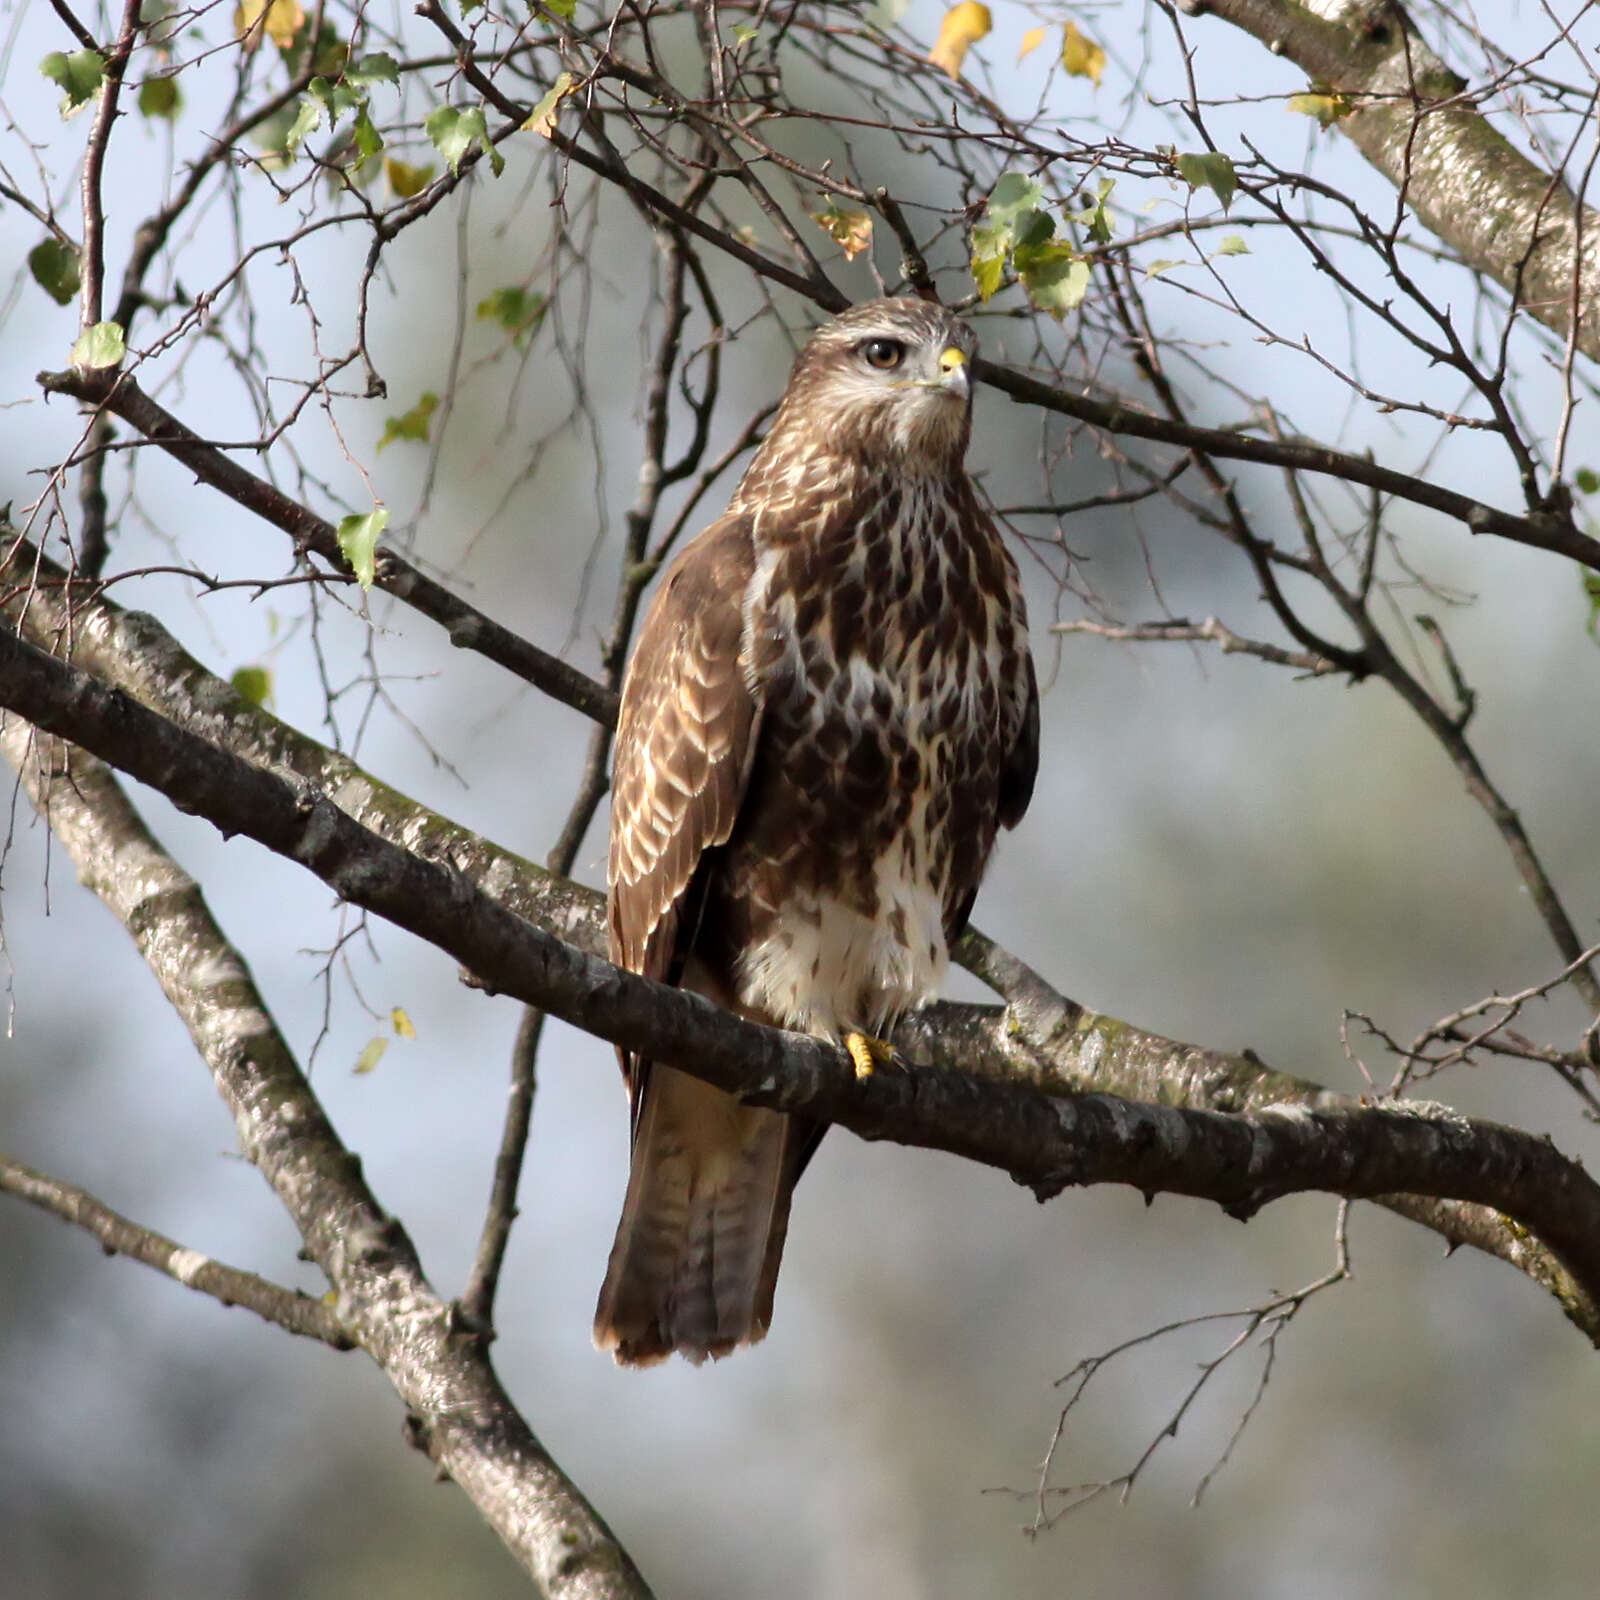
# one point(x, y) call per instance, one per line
point(1216, 851)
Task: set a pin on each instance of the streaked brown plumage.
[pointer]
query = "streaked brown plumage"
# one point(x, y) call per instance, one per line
point(830, 711)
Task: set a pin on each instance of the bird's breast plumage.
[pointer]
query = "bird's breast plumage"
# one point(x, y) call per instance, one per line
point(885, 637)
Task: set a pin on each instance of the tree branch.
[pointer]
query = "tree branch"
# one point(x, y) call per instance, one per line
point(1041, 1038)
point(460, 1412)
point(1552, 530)
point(468, 627)
point(1411, 118)
point(119, 1236)
point(1240, 1161)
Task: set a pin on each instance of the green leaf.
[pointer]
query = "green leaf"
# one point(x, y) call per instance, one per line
point(79, 76)
point(404, 1027)
point(1586, 478)
point(338, 96)
point(1232, 245)
point(159, 97)
point(253, 683)
point(412, 424)
point(379, 67)
point(1015, 193)
point(99, 346)
point(1032, 228)
point(990, 241)
point(306, 122)
point(477, 128)
point(368, 140)
point(54, 265)
point(1156, 268)
point(1096, 219)
point(454, 132)
point(1018, 225)
point(518, 310)
point(1591, 589)
point(1055, 276)
point(744, 32)
point(371, 1054)
point(358, 541)
point(1209, 169)
point(565, 9)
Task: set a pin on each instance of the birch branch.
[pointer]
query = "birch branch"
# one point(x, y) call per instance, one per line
point(384, 1303)
point(1041, 1038)
point(1414, 120)
point(1241, 1161)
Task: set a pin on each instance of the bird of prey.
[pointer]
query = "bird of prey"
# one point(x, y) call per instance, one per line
point(830, 711)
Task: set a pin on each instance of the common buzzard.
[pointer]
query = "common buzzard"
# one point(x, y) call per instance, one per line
point(830, 711)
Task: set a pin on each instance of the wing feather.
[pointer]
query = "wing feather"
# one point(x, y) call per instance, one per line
point(685, 738)
point(1022, 760)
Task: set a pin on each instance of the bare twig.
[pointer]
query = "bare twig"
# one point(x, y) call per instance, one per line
point(295, 1312)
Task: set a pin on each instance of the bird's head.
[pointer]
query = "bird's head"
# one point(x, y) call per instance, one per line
point(889, 381)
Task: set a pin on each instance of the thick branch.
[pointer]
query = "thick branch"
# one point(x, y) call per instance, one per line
point(1041, 1038)
point(1241, 1161)
point(134, 653)
point(384, 1302)
point(1503, 215)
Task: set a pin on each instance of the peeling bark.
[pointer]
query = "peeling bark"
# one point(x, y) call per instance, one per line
point(1414, 120)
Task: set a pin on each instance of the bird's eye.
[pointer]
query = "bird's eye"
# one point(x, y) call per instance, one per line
point(884, 354)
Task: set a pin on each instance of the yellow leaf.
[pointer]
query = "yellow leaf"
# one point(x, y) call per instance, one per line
point(1324, 104)
point(403, 1026)
point(1081, 56)
point(963, 26)
point(1031, 41)
point(280, 20)
point(405, 179)
point(542, 119)
point(850, 230)
point(371, 1054)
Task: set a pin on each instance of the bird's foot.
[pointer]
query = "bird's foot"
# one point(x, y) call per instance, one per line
point(868, 1053)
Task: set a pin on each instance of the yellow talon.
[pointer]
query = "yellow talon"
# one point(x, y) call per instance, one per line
point(868, 1053)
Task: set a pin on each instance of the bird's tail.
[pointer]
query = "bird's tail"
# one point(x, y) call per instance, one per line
point(696, 1256)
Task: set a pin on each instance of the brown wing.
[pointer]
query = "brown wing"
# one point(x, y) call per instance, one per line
point(685, 739)
point(695, 1260)
point(1022, 761)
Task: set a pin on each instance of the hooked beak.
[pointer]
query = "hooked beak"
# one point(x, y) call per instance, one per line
point(954, 379)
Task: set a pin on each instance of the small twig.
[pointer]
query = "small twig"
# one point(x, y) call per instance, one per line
point(1270, 1319)
point(288, 1308)
point(78, 31)
point(913, 264)
point(1451, 1028)
point(1466, 695)
point(93, 265)
point(1211, 631)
